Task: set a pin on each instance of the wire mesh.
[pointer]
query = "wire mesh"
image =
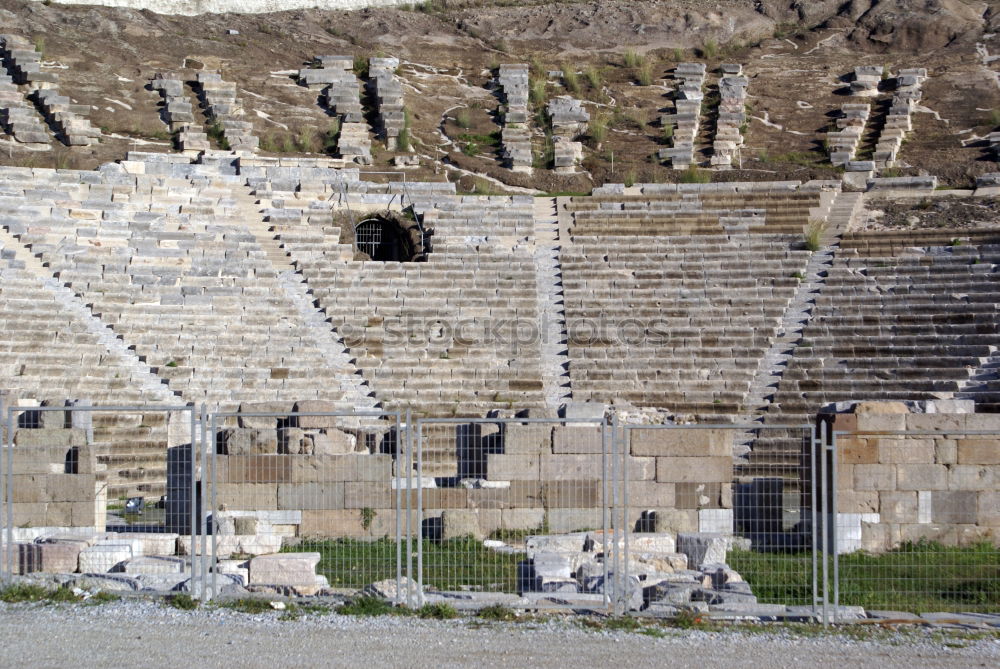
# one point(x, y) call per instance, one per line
point(746, 524)
point(515, 506)
point(85, 488)
point(318, 497)
point(917, 522)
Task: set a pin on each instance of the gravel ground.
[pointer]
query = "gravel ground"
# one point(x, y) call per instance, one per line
point(146, 634)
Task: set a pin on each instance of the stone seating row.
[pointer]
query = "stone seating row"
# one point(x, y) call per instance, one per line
point(685, 120)
point(18, 119)
point(387, 92)
point(515, 137)
point(224, 110)
point(24, 63)
point(178, 113)
point(730, 119)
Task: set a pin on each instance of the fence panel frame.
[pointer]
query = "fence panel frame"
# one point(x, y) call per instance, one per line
point(209, 559)
point(811, 432)
point(606, 440)
point(834, 436)
point(7, 469)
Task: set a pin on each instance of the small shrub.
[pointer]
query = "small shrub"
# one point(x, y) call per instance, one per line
point(537, 92)
point(332, 136)
point(361, 66)
point(102, 597)
point(64, 594)
point(367, 517)
point(814, 235)
point(644, 74)
point(497, 612)
point(438, 611)
point(687, 619)
point(368, 606)
point(630, 178)
point(404, 141)
point(710, 49)
point(538, 68)
point(594, 78)
point(23, 592)
point(597, 129)
point(471, 149)
point(624, 623)
point(694, 175)
point(797, 275)
point(249, 605)
point(183, 601)
point(633, 58)
point(994, 119)
point(678, 55)
point(463, 119)
point(570, 79)
point(668, 131)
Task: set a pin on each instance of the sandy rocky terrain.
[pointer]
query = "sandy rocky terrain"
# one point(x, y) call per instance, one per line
point(795, 53)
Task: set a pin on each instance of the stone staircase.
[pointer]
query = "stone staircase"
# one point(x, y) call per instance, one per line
point(551, 307)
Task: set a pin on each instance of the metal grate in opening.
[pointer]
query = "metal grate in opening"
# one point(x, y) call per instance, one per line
point(368, 236)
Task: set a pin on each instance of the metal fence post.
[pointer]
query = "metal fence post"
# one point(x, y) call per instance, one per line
point(8, 558)
point(203, 509)
point(626, 584)
point(215, 521)
point(825, 515)
point(833, 525)
point(192, 455)
point(604, 516)
point(814, 526)
point(420, 519)
point(407, 467)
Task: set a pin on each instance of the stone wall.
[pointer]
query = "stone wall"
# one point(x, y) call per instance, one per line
point(192, 7)
point(937, 483)
point(56, 481)
point(478, 479)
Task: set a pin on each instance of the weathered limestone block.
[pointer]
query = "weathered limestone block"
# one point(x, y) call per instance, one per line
point(230, 544)
point(325, 495)
point(694, 469)
point(520, 467)
point(254, 468)
point(247, 496)
point(578, 439)
point(57, 557)
point(527, 439)
point(681, 442)
point(331, 441)
point(284, 569)
point(921, 477)
point(102, 558)
point(50, 437)
point(154, 565)
point(279, 409)
point(251, 441)
point(457, 523)
point(702, 548)
point(346, 467)
point(955, 507)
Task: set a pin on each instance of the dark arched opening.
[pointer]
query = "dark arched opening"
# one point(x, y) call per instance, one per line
point(388, 239)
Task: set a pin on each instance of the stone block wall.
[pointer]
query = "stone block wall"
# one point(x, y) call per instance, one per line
point(937, 482)
point(55, 479)
point(478, 479)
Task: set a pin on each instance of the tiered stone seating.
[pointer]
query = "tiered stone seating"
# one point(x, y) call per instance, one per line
point(388, 95)
point(866, 80)
point(901, 316)
point(222, 106)
point(66, 118)
point(515, 137)
point(843, 142)
point(24, 63)
point(439, 336)
point(342, 96)
point(673, 310)
point(732, 115)
point(18, 119)
point(687, 113)
point(897, 121)
point(325, 71)
point(50, 351)
point(569, 121)
point(178, 276)
point(178, 113)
